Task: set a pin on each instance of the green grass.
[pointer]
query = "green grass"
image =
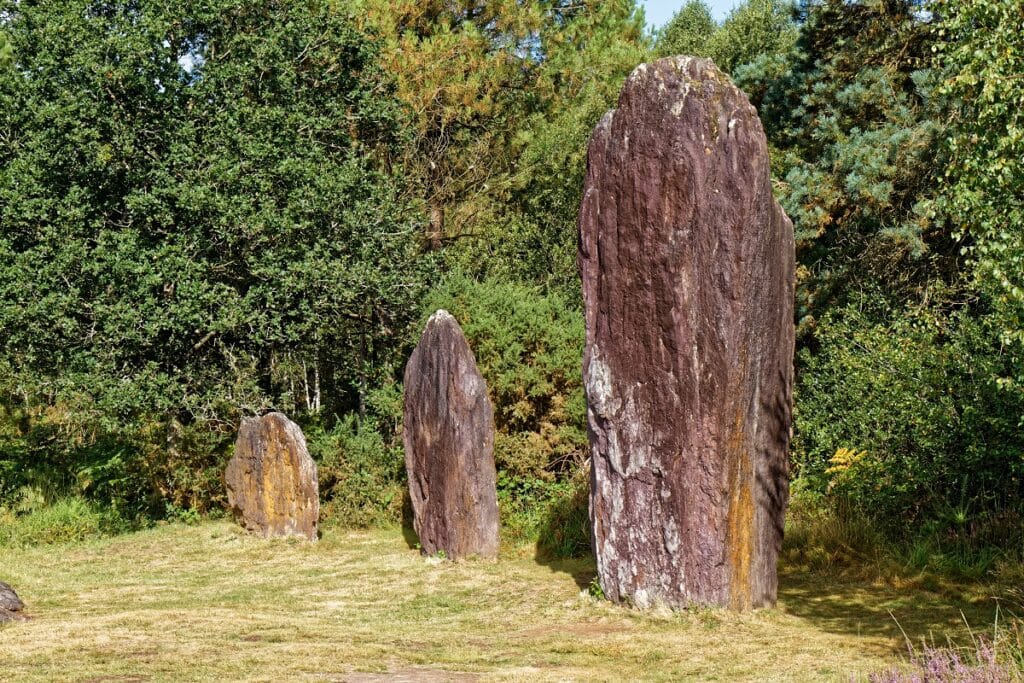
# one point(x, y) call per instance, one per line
point(205, 602)
point(66, 520)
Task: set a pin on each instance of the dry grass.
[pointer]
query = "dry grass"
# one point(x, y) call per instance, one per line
point(208, 603)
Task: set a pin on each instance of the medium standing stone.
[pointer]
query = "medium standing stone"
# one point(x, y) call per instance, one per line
point(449, 445)
point(687, 264)
point(271, 480)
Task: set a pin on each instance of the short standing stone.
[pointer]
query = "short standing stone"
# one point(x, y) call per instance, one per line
point(687, 266)
point(10, 604)
point(449, 445)
point(271, 480)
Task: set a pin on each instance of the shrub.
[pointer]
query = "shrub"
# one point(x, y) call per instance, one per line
point(552, 514)
point(899, 413)
point(361, 468)
point(34, 521)
point(982, 663)
point(139, 468)
point(565, 531)
point(528, 346)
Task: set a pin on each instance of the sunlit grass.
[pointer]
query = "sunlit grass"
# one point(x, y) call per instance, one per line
point(206, 602)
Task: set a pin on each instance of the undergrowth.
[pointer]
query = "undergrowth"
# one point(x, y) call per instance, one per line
point(996, 657)
point(839, 537)
point(33, 520)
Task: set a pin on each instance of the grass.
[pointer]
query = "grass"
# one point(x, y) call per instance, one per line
point(66, 520)
point(205, 602)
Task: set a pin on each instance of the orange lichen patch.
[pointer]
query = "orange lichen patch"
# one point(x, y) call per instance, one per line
point(278, 489)
point(271, 481)
point(740, 538)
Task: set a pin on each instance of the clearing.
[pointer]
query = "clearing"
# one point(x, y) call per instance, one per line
point(206, 602)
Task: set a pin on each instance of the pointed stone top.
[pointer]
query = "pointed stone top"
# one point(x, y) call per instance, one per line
point(443, 322)
point(441, 315)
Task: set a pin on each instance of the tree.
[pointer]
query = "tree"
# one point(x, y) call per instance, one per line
point(474, 75)
point(463, 69)
point(533, 235)
point(857, 127)
point(755, 30)
point(980, 44)
point(194, 225)
point(688, 31)
point(6, 51)
point(895, 400)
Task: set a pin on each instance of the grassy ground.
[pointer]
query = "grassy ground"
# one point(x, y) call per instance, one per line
point(208, 603)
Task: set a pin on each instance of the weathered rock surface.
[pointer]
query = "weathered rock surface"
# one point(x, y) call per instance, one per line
point(10, 604)
point(687, 265)
point(449, 445)
point(271, 480)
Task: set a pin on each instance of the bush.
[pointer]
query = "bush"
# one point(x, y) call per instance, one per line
point(361, 468)
point(34, 521)
point(554, 514)
point(139, 468)
point(528, 346)
point(565, 531)
point(899, 412)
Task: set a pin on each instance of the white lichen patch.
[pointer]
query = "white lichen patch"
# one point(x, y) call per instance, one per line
point(440, 315)
point(681, 95)
point(600, 394)
point(472, 384)
point(636, 430)
point(682, 62)
point(671, 536)
point(639, 72)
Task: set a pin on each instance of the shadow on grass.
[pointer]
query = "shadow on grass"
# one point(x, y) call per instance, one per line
point(849, 607)
point(582, 569)
point(409, 534)
point(563, 541)
point(857, 608)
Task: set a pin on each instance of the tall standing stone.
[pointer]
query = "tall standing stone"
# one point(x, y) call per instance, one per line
point(449, 445)
point(687, 265)
point(271, 480)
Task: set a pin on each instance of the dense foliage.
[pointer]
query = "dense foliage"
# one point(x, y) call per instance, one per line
point(755, 30)
point(898, 404)
point(194, 226)
point(211, 210)
point(980, 41)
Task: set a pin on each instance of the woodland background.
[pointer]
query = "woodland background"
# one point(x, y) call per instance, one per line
point(214, 208)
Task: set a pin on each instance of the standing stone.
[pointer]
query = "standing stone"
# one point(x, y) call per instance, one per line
point(449, 445)
point(687, 265)
point(271, 480)
point(10, 604)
